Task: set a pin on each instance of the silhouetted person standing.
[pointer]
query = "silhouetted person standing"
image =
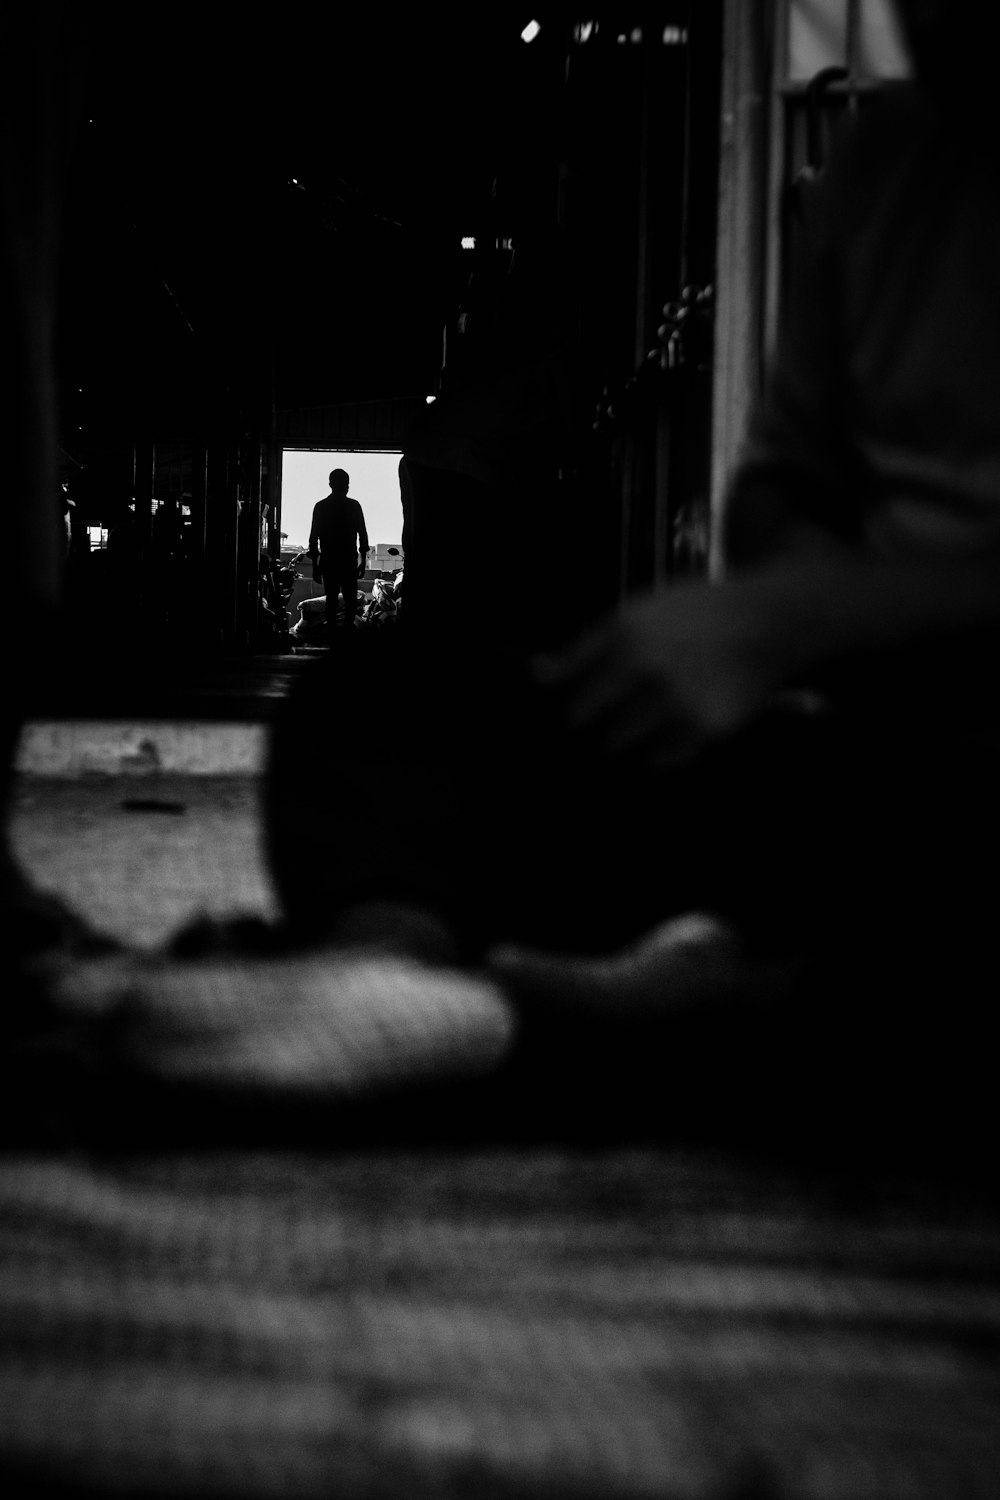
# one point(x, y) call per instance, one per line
point(338, 546)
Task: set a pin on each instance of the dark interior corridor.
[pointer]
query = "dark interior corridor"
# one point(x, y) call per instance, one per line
point(263, 239)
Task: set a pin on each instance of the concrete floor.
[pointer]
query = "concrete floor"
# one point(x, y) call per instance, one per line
point(446, 1323)
point(141, 856)
point(143, 813)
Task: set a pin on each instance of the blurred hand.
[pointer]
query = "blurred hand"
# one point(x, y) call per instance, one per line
point(317, 573)
point(679, 668)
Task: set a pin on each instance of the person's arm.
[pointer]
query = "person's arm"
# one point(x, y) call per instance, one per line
point(696, 661)
point(363, 547)
point(800, 591)
point(313, 549)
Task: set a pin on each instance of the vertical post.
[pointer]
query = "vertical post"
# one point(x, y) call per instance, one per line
point(626, 455)
point(229, 538)
point(199, 493)
point(649, 242)
point(143, 489)
point(666, 414)
point(275, 472)
point(742, 254)
point(220, 559)
point(852, 44)
point(644, 236)
point(272, 459)
point(248, 536)
point(636, 472)
point(199, 536)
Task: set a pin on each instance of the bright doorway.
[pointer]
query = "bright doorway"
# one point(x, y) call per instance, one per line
point(374, 478)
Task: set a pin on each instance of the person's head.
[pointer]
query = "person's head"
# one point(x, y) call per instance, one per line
point(340, 481)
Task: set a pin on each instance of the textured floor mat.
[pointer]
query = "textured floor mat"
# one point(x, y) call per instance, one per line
point(491, 1324)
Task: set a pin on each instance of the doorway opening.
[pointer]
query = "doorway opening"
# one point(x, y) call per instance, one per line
point(374, 475)
point(374, 483)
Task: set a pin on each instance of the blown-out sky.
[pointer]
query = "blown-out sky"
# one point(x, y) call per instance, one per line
point(374, 482)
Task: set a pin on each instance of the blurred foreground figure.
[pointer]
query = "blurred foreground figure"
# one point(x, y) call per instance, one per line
point(830, 709)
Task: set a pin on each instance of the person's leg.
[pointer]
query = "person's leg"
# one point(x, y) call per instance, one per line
point(349, 589)
point(326, 774)
point(332, 601)
point(498, 822)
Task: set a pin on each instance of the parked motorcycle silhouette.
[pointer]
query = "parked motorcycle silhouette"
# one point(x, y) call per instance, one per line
point(277, 580)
